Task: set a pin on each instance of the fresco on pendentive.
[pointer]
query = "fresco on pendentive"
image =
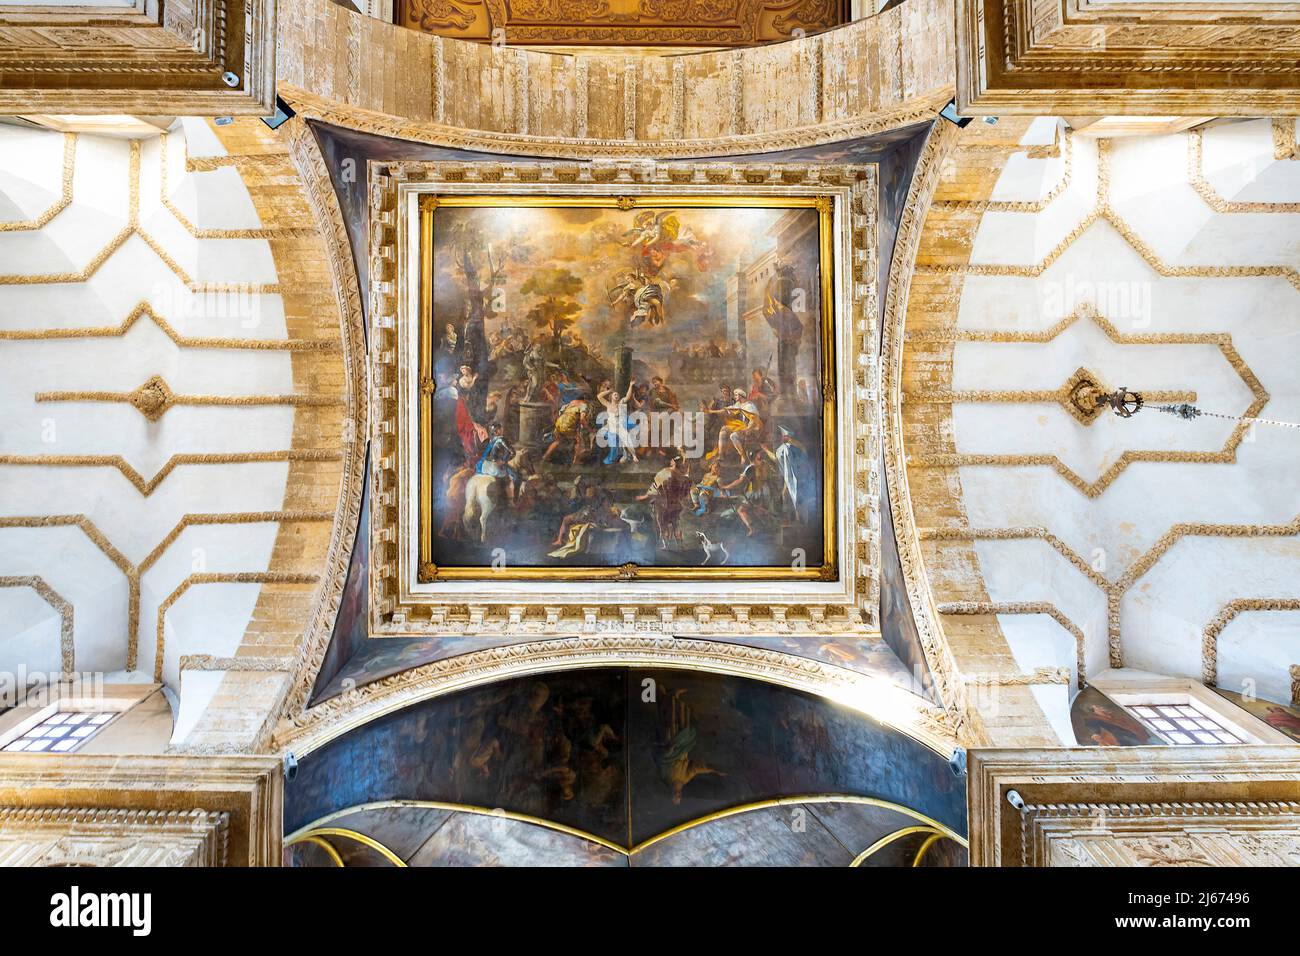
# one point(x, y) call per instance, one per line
point(1278, 716)
point(705, 743)
point(615, 386)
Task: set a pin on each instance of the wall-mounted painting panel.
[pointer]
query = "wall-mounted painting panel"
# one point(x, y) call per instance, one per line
point(614, 383)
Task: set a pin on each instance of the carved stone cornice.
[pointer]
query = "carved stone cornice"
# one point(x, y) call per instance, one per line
point(1110, 806)
point(123, 810)
point(208, 57)
point(1045, 57)
point(590, 105)
point(95, 836)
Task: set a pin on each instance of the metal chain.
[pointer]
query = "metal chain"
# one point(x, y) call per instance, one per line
point(1188, 412)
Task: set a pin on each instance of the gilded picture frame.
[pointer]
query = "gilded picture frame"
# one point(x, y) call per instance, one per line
point(824, 568)
point(409, 597)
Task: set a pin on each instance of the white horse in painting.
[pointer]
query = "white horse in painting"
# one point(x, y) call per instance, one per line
point(485, 495)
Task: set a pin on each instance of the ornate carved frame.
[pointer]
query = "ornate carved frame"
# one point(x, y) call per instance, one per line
point(1080, 804)
point(155, 58)
point(402, 604)
point(716, 23)
point(823, 567)
point(1046, 57)
point(949, 682)
point(141, 810)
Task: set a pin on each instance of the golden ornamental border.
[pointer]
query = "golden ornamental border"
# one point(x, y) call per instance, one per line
point(319, 190)
point(395, 610)
point(427, 571)
point(941, 142)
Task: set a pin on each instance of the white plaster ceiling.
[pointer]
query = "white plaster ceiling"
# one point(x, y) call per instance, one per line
point(1172, 230)
point(98, 501)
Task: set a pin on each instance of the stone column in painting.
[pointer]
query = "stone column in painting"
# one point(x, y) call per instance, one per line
point(534, 419)
point(622, 369)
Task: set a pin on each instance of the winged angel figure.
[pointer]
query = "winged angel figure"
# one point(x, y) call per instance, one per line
point(654, 237)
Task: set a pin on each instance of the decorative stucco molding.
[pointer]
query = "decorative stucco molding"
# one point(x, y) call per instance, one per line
point(1110, 806)
point(215, 57)
point(1083, 57)
point(125, 810)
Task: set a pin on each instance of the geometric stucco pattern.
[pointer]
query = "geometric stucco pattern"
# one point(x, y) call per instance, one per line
point(179, 412)
point(1172, 252)
point(1225, 455)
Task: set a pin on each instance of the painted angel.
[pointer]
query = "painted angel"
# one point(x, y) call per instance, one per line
point(654, 236)
point(646, 297)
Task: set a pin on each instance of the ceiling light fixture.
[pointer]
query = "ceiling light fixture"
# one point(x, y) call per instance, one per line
point(1126, 404)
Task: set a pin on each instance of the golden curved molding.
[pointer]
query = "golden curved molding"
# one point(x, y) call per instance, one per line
point(926, 824)
point(317, 836)
point(207, 577)
point(60, 204)
point(874, 697)
point(597, 105)
point(67, 647)
point(316, 185)
point(1210, 639)
point(939, 146)
point(1026, 607)
point(192, 166)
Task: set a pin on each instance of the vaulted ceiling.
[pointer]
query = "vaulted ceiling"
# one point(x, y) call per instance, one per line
point(1167, 264)
point(175, 396)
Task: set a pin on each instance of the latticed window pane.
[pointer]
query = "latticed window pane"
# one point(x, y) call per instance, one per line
point(1184, 725)
point(60, 732)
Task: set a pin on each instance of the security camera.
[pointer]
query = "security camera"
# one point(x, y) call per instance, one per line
point(957, 762)
point(290, 766)
point(1015, 799)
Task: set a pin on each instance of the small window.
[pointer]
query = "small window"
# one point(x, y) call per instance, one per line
point(1185, 724)
point(61, 732)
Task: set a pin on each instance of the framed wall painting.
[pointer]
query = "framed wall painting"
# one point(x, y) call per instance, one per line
point(641, 384)
point(635, 390)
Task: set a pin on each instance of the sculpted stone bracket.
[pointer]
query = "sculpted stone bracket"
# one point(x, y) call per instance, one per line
point(209, 57)
point(1082, 57)
point(1110, 806)
point(401, 603)
point(122, 810)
